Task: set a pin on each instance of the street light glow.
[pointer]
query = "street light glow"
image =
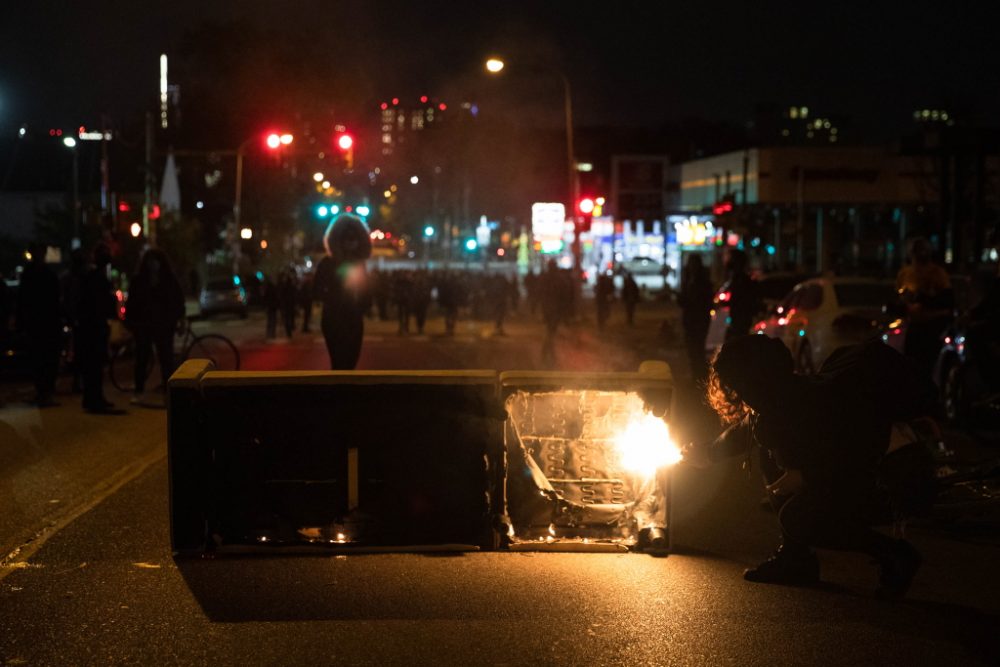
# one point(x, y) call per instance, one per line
point(414, 179)
point(345, 141)
point(363, 211)
point(273, 141)
point(286, 139)
point(135, 230)
point(322, 211)
point(246, 233)
point(318, 176)
point(325, 185)
point(69, 142)
point(428, 231)
point(494, 65)
point(334, 209)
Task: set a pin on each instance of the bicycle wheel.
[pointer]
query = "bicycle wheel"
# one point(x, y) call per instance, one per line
point(216, 348)
point(121, 366)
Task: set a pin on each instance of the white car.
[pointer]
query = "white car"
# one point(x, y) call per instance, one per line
point(822, 314)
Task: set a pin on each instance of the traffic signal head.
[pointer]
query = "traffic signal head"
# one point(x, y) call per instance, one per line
point(273, 141)
point(586, 206)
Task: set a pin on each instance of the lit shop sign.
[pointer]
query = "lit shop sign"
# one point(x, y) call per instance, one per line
point(694, 232)
point(94, 136)
point(548, 222)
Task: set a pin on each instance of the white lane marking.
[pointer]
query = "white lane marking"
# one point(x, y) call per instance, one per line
point(18, 558)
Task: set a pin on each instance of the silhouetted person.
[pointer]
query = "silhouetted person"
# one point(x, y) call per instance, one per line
point(420, 298)
point(630, 297)
point(555, 294)
point(288, 299)
point(531, 289)
point(402, 296)
point(925, 290)
point(604, 294)
point(450, 299)
point(38, 319)
point(821, 441)
point(96, 307)
point(743, 300)
point(381, 288)
point(70, 285)
point(155, 305)
point(269, 294)
point(497, 293)
point(306, 301)
point(695, 300)
point(341, 287)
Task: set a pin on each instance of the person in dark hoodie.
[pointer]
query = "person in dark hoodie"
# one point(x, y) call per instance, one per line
point(341, 286)
point(822, 441)
point(96, 307)
point(38, 318)
point(155, 305)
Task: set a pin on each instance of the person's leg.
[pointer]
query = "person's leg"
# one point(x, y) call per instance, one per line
point(143, 352)
point(839, 521)
point(165, 352)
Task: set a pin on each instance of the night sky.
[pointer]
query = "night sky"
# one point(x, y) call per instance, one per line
point(630, 63)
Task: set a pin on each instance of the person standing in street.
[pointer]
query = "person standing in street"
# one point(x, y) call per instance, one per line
point(630, 297)
point(155, 305)
point(341, 286)
point(288, 299)
point(925, 289)
point(743, 300)
point(270, 298)
point(604, 294)
point(38, 319)
point(695, 300)
point(555, 294)
point(97, 305)
point(306, 301)
point(421, 298)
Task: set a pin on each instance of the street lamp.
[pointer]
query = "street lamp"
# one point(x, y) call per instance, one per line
point(70, 143)
point(495, 65)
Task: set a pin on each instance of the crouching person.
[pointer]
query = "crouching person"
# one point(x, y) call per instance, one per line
point(822, 443)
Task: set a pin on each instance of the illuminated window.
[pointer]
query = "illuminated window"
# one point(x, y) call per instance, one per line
point(793, 112)
point(804, 112)
point(386, 138)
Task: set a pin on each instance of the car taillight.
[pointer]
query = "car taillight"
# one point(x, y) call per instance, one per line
point(723, 297)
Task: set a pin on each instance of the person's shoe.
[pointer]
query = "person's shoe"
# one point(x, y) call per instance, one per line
point(897, 569)
point(786, 567)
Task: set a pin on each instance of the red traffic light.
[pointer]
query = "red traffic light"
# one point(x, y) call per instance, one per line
point(344, 142)
point(586, 206)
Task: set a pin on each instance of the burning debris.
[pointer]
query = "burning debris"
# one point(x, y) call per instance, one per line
point(586, 467)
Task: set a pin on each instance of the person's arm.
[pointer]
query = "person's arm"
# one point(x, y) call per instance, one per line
point(734, 441)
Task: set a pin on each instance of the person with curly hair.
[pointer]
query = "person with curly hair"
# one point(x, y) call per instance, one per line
point(821, 440)
point(342, 287)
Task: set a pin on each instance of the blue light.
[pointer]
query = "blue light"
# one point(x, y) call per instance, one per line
point(471, 245)
point(755, 242)
point(260, 276)
point(334, 209)
point(363, 211)
point(771, 250)
point(802, 332)
point(236, 280)
point(428, 231)
point(322, 210)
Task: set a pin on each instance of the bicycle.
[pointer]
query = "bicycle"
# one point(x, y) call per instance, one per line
point(218, 349)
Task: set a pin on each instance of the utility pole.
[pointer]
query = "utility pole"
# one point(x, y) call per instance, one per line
point(148, 229)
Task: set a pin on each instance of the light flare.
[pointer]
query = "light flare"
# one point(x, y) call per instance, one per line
point(645, 446)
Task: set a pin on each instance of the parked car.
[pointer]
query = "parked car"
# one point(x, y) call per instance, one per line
point(223, 295)
point(771, 288)
point(822, 314)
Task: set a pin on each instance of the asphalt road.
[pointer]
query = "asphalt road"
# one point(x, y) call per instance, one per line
point(97, 585)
